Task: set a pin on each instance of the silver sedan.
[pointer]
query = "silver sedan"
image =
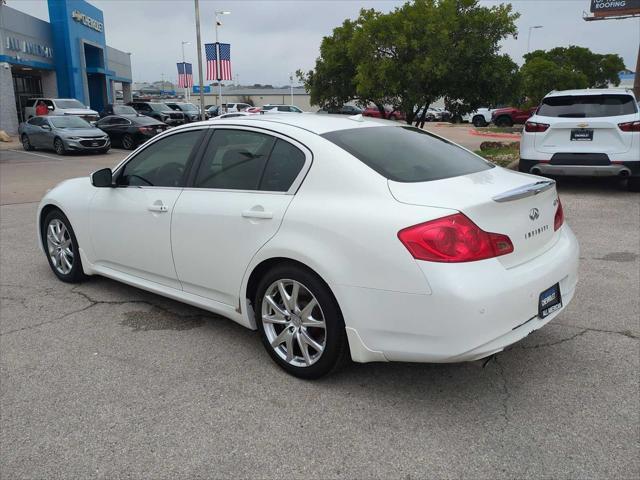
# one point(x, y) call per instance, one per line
point(63, 134)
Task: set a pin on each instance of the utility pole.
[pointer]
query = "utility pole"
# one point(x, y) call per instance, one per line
point(529, 38)
point(197, 7)
point(291, 87)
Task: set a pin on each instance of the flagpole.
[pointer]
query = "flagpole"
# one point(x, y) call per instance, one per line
point(184, 65)
point(218, 13)
point(197, 7)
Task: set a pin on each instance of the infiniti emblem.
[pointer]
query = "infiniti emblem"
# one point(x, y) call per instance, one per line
point(534, 214)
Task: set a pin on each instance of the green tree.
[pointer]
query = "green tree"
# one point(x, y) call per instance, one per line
point(417, 53)
point(540, 76)
point(599, 70)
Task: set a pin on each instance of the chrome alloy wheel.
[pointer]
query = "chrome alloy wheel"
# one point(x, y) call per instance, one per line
point(293, 323)
point(59, 246)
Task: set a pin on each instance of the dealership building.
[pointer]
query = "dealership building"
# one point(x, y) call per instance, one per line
point(65, 58)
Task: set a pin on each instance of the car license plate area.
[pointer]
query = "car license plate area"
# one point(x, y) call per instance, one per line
point(550, 301)
point(94, 144)
point(582, 135)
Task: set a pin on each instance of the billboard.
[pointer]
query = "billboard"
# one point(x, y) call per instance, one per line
point(607, 8)
point(206, 89)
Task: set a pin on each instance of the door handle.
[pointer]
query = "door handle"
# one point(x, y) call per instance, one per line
point(158, 207)
point(257, 214)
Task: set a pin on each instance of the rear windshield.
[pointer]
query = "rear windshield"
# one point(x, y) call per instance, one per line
point(69, 104)
point(587, 106)
point(407, 154)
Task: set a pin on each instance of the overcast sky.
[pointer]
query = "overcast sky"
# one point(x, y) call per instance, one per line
point(270, 38)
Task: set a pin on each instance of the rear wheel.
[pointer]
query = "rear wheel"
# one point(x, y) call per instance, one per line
point(503, 121)
point(58, 146)
point(128, 142)
point(633, 184)
point(26, 143)
point(61, 247)
point(300, 322)
point(479, 121)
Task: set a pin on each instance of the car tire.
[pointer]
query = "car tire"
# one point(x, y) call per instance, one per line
point(503, 121)
point(26, 143)
point(58, 146)
point(128, 142)
point(291, 335)
point(61, 247)
point(479, 121)
point(633, 184)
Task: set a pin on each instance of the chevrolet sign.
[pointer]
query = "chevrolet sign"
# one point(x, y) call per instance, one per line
point(87, 21)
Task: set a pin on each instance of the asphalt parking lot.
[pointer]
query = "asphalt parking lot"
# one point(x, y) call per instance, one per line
point(102, 380)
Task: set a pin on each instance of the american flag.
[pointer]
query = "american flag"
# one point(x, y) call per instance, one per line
point(218, 69)
point(185, 75)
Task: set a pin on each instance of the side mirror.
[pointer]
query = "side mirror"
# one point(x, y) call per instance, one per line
point(45, 127)
point(49, 107)
point(103, 178)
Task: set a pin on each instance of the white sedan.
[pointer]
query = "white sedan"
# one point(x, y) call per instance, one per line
point(335, 238)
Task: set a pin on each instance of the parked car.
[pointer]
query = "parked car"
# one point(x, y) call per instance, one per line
point(129, 131)
point(389, 114)
point(479, 118)
point(117, 109)
point(212, 111)
point(191, 112)
point(593, 132)
point(453, 266)
point(253, 110)
point(234, 114)
point(343, 110)
point(270, 108)
point(235, 107)
point(159, 111)
point(61, 106)
point(62, 134)
point(509, 116)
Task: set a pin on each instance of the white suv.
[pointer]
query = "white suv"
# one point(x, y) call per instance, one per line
point(593, 132)
point(61, 106)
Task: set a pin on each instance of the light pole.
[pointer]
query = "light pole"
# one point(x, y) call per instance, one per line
point(197, 7)
point(186, 88)
point(218, 13)
point(529, 37)
point(291, 87)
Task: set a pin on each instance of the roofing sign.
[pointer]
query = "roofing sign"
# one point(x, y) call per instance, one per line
point(614, 7)
point(87, 21)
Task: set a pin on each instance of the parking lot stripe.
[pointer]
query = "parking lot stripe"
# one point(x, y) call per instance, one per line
point(35, 154)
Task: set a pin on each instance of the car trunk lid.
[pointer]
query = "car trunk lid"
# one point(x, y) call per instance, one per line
point(497, 200)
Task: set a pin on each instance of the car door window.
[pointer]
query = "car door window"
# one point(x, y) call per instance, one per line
point(163, 163)
point(49, 103)
point(234, 160)
point(283, 109)
point(283, 166)
point(35, 121)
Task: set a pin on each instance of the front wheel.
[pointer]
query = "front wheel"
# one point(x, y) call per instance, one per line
point(61, 247)
point(479, 121)
point(300, 322)
point(503, 122)
point(58, 146)
point(128, 143)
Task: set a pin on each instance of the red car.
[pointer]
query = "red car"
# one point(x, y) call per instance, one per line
point(389, 114)
point(506, 117)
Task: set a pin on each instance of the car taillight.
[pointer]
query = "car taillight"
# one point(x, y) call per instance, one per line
point(453, 239)
point(559, 218)
point(630, 126)
point(535, 127)
point(145, 129)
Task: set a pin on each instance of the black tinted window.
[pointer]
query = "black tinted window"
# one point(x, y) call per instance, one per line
point(234, 160)
point(36, 121)
point(587, 106)
point(285, 162)
point(163, 163)
point(407, 154)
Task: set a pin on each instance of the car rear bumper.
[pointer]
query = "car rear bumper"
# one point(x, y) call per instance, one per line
point(475, 309)
point(612, 169)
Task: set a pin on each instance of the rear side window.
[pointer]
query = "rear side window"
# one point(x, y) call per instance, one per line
point(407, 154)
point(587, 106)
point(285, 163)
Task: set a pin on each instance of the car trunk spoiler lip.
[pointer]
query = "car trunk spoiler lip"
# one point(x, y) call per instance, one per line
point(524, 191)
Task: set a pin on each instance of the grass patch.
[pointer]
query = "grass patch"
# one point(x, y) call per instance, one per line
point(502, 154)
point(514, 129)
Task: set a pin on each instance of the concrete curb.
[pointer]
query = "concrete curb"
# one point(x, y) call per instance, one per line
point(515, 136)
